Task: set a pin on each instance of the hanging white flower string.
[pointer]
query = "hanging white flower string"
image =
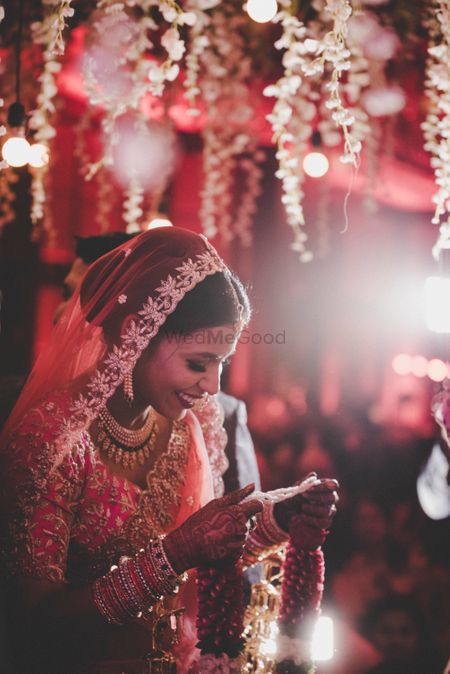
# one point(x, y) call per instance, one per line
point(308, 55)
point(3, 163)
point(226, 67)
point(289, 133)
point(105, 199)
point(250, 189)
point(7, 196)
point(198, 42)
point(49, 34)
point(336, 53)
point(111, 81)
point(437, 124)
point(50, 30)
point(133, 203)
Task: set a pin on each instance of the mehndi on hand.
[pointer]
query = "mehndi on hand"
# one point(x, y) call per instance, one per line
point(215, 533)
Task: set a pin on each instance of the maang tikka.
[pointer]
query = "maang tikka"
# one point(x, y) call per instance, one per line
point(128, 392)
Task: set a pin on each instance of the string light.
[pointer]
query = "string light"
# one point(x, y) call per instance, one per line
point(262, 11)
point(38, 155)
point(401, 364)
point(435, 369)
point(159, 220)
point(16, 151)
point(419, 366)
point(315, 164)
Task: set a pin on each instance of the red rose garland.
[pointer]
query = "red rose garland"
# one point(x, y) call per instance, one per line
point(221, 608)
point(302, 587)
point(301, 592)
point(220, 619)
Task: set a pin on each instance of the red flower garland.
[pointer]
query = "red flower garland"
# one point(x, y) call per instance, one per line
point(221, 607)
point(301, 589)
point(220, 618)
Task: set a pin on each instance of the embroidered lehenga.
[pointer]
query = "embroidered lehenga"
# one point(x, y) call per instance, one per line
point(66, 517)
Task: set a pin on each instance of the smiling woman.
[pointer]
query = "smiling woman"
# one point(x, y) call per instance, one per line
point(176, 376)
point(104, 455)
point(110, 493)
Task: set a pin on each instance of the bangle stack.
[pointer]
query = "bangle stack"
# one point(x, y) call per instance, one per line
point(265, 537)
point(136, 584)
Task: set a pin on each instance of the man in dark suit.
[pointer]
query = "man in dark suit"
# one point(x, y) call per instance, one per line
point(240, 451)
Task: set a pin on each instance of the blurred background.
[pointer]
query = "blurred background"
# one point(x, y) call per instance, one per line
point(338, 366)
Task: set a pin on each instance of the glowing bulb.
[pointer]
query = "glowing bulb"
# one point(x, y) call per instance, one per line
point(419, 366)
point(315, 164)
point(262, 11)
point(322, 644)
point(401, 364)
point(159, 221)
point(437, 369)
point(437, 302)
point(16, 151)
point(38, 155)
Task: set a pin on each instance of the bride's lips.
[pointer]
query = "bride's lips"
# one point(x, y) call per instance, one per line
point(187, 401)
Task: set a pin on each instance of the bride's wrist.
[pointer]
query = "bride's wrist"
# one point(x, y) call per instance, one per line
point(173, 548)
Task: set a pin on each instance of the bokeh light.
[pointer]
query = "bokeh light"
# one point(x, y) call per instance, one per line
point(38, 155)
point(315, 164)
point(16, 151)
point(262, 11)
point(437, 370)
point(402, 363)
point(419, 366)
point(145, 152)
point(322, 644)
point(159, 221)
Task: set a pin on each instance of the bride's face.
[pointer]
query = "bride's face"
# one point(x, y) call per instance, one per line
point(173, 374)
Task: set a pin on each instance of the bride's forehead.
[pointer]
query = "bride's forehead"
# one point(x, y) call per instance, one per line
point(208, 343)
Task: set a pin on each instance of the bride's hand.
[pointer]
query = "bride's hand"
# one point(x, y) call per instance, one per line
point(316, 506)
point(213, 534)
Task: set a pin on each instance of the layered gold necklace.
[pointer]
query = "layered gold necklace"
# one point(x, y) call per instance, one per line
point(124, 445)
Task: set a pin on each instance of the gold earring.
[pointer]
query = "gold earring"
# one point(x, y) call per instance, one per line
point(128, 392)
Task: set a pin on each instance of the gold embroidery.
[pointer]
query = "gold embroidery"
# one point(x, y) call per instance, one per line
point(211, 416)
point(167, 477)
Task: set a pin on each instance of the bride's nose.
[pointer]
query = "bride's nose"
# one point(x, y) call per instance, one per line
point(210, 381)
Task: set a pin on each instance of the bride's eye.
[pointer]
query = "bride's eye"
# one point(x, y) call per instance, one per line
point(196, 366)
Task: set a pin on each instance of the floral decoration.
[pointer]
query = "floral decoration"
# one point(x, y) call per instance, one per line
point(328, 73)
point(309, 54)
point(437, 125)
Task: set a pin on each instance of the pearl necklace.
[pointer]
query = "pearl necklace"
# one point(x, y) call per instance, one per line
point(124, 445)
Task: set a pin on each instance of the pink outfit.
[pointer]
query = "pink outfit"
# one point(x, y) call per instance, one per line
point(71, 523)
point(66, 517)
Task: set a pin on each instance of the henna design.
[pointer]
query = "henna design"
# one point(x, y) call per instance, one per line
point(316, 506)
point(216, 533)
